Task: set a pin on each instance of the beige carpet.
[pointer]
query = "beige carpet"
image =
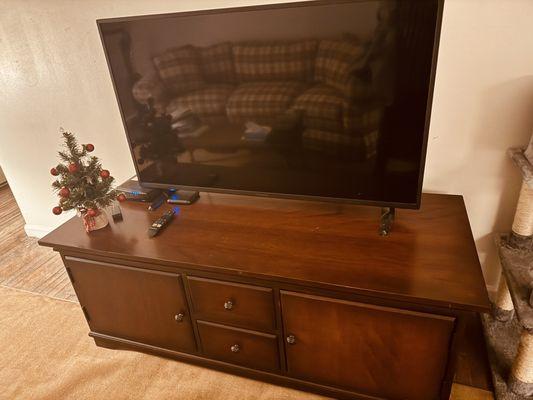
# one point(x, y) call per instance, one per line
point(45, 353)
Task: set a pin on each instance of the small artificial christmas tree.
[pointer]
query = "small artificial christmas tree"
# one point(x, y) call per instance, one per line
point(82, 184)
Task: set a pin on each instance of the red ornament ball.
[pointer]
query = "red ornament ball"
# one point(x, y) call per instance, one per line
point(54, 171)
point(73, 168)
point(121, 197)
point(89, 147)
point(57, 210)
point(91, 212)
point(105, 174)
point(64, 192)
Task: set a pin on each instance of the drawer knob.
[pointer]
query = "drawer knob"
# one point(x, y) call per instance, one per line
point(228, 305)
point(179, 317)
point(291, 339)
point(235, 348)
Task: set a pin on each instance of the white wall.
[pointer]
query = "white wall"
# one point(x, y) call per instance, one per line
point(53, 73)
point(483, 104)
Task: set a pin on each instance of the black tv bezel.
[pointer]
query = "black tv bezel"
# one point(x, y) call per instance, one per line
point(309, 3)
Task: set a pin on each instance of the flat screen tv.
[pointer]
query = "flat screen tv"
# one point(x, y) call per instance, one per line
point(326, 100)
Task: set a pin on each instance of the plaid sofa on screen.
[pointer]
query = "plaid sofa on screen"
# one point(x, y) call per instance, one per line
point(263, 81)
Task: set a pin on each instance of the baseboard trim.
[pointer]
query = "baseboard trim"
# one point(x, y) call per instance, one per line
point(37, 231)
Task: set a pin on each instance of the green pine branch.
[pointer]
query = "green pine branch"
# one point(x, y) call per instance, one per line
point(87, 188)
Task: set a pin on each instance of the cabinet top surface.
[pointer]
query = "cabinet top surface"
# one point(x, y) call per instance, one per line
point(429, 257)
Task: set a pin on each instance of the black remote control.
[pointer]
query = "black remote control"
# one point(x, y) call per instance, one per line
point(160, 223)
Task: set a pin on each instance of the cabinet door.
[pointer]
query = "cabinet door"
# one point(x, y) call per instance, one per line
point(380, 351)
point(136, 304)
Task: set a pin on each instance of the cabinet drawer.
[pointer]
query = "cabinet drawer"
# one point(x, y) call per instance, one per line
point(239, 346)
point(233, 303)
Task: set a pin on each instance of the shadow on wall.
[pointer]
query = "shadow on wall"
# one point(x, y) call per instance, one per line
point(507, 112)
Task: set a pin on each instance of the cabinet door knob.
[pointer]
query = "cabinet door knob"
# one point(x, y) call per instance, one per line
point(291, 339)
point(228, 305)
point(179, 317)
point(235, 348)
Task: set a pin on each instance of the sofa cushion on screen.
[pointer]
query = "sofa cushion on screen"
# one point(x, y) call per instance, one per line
point(281, 61)
point(261, 102)
point(357, 147)
point(208, 101)
point(321, 107)
point(217, 63)
point(337, 62)
point(179, 69)
point(361, 117)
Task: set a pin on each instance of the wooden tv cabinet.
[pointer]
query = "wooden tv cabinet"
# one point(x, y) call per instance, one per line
point(302, 294)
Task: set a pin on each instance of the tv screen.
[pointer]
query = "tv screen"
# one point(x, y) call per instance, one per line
point(315, 99)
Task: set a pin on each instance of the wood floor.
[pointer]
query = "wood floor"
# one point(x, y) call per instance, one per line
point(25, 265)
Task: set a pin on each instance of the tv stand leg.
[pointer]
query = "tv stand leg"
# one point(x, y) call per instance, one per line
point(387, 218)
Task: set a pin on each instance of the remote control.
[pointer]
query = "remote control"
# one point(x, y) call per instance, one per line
point(160, 223)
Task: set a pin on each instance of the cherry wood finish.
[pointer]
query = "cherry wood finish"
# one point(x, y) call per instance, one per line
point(234, 303)
point(372, 317)
point(473, 367)
point(429, 258)
point(380, 351)
point(134, 304)
point(238, 346)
